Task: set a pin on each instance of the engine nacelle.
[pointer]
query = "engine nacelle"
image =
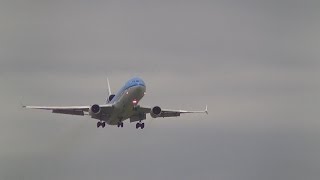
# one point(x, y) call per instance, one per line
point(95, 109)
point(155, 112)
point(110, 98)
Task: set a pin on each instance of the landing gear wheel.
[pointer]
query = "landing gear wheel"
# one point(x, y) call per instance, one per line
point(120, 124)
point(103, 124)
point(139, 125)
point(98, 124)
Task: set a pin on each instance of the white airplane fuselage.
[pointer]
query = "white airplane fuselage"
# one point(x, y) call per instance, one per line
point(125, 101)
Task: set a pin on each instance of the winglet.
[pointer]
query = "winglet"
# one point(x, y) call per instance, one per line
point(22, 105)
point(206, 111)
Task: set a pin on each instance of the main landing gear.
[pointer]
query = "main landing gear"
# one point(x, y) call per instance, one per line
point(101, 123)
point(139, 125)
point(120, 124)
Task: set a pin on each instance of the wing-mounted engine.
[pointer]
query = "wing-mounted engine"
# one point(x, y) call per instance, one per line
point(109, 99)
point(156, 112)
point(95, 111)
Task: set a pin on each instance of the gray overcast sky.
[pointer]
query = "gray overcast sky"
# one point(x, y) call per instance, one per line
point(254, 62)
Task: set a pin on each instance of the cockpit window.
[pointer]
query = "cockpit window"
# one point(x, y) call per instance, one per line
point(135, 81)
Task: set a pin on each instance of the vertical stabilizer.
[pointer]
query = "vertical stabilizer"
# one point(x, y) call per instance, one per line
point(109, 88)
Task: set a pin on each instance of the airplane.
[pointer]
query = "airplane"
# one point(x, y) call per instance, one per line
point(119, 107)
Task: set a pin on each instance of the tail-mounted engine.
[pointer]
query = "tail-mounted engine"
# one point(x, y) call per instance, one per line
point(156, 112)
point(109, 99)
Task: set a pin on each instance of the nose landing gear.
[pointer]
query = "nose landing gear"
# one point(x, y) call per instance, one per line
point(139, 125)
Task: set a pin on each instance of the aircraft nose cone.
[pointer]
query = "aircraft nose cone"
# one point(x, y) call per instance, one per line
point(142, 88)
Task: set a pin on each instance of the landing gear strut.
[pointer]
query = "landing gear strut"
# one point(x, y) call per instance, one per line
point(101, 123)
point(120, 124)
point(139, 125)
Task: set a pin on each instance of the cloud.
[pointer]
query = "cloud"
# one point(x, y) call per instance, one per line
point(255, 63)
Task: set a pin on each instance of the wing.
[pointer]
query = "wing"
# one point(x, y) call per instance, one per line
point(170, 112)
point(71, 110)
